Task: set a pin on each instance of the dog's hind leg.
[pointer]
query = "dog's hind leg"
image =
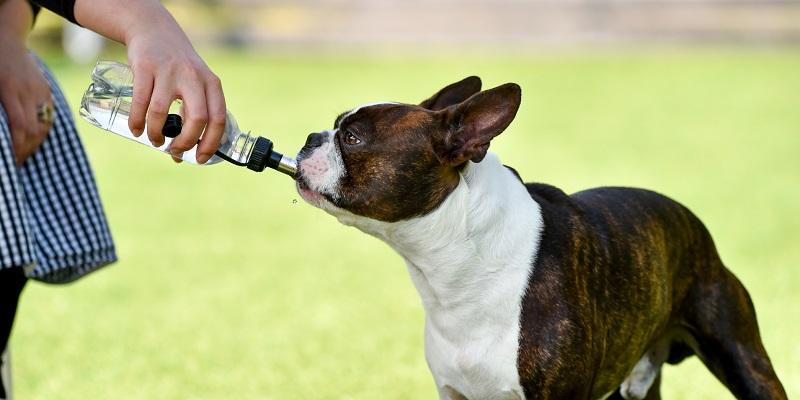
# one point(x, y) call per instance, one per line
point(723, 323)
point(655, 389)
point(645, 376)
point(653, 393)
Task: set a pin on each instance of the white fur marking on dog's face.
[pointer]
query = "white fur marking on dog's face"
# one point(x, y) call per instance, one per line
point(323, 168)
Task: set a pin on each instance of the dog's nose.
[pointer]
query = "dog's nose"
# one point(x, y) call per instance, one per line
point(314, 140)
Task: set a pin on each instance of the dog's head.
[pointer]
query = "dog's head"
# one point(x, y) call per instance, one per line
point(392, 161)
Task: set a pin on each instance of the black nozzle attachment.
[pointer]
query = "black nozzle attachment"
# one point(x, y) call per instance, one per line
point(259, 157)
point(173, 125)
point(263, 156)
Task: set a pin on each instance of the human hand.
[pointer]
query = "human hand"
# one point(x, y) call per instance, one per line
point(165, 68)
point(23, 87)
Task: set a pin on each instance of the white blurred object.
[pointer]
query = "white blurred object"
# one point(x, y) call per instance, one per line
point(81, 45)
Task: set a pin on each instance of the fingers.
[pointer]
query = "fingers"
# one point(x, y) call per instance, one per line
point(179, 75)
point(194, 119)
point(216, 120)
point(142, 90)
point(42, 126)
point(163, 95)
point(27, 131)
point(30, 111)
point(18, 124)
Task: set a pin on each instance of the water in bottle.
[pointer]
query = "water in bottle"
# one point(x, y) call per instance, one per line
point(107, 104)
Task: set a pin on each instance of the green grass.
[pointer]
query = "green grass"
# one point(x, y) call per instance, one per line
point(229, 289)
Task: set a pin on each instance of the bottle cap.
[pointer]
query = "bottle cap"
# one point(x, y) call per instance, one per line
point(172, 126)
point(260, 155)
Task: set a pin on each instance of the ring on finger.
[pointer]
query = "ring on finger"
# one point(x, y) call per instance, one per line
point(44, 113)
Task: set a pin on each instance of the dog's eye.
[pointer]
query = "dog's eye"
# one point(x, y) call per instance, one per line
point(351, 139)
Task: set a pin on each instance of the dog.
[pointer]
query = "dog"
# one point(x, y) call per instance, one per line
point(530, 293)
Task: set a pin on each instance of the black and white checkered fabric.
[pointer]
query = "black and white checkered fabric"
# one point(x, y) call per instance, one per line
point(51, 220)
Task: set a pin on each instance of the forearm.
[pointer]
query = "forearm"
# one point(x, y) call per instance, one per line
point(60, 7)
point(136, 16)
point(16, 19)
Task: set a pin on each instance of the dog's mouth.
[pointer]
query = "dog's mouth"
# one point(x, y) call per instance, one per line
point(309, 195)
point(314, 196)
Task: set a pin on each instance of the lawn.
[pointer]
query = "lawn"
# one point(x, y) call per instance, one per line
point(229, 287)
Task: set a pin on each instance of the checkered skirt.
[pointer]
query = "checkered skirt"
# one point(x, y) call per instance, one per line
point(51, 220)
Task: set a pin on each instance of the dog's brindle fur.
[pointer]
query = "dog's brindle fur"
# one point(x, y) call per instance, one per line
point(612, 252)
point(620, 273)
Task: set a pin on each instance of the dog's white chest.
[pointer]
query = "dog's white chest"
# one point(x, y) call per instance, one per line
point(472, 331)
point(471, 263)
point(481, 366)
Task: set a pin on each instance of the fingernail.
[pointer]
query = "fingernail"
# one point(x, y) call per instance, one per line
point(137, 132)
point(202, 158)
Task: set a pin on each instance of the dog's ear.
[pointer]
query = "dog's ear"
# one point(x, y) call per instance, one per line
point(453, 94)
point(472, 124)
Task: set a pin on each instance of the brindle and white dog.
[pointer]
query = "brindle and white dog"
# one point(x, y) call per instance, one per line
point(530, 293)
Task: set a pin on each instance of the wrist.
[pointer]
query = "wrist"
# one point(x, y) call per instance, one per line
point(13, 43)
point(148, 22)
point(16, 20)
point(140, 18)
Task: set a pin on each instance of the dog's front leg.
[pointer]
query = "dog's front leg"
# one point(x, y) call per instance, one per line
point(448, 393)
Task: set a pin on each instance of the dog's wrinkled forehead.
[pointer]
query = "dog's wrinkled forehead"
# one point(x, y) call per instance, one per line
point(366, 111)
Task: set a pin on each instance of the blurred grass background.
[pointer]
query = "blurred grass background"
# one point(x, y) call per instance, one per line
point(229, 286)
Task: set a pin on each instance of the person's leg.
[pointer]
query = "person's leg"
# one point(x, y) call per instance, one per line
point(12, 280)
point(6, 390)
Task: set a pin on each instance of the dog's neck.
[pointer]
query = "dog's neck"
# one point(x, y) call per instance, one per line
point(475, 251)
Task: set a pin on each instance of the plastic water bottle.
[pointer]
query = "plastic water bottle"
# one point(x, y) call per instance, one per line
point(107, 104)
